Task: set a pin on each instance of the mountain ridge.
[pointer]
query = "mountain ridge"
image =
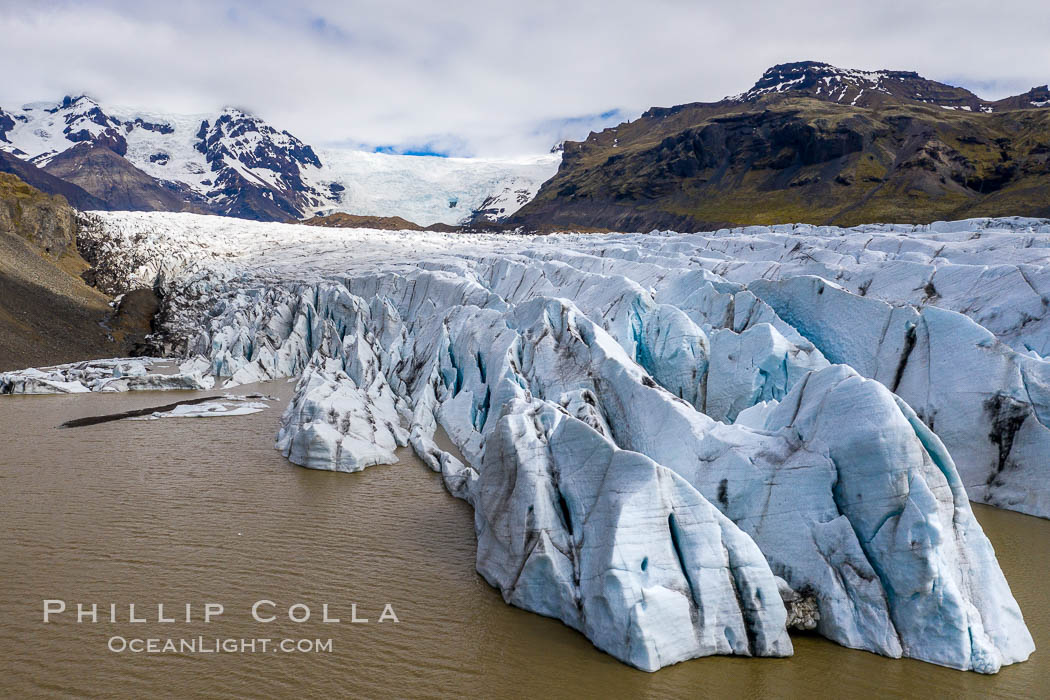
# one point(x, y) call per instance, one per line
point(858, 147)
point(48, 313)
point(111, 178)
point(870, 88)
point(48, 183)
point(236, 164)
point(807, 142)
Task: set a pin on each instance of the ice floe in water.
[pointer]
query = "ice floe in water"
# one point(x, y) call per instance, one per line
point(665, 437)
point(209, 409)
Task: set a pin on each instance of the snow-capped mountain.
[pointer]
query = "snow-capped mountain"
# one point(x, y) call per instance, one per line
point(871, 88)
point(237, 164)
point(40, 131)
point(808, 141)
point(252, 160)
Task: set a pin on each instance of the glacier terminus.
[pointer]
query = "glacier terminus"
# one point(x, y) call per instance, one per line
point(678, 444)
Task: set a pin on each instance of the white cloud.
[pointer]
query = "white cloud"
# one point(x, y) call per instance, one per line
point(487, 77)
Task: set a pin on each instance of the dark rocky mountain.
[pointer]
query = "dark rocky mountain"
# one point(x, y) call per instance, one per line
point(49, 184)
point(258, 170)
point(108, 176)
point(48, 314)
point(860, 88)
point(813, 143)
point(234, 164)
point(6, 124)
point(1037, 97)
point(875, 88)
point(383, 223)
point(87, 123)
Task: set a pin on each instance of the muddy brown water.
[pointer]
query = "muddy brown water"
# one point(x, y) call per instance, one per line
point(198, 510)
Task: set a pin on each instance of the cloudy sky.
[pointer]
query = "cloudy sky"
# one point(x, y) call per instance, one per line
point(488, 77)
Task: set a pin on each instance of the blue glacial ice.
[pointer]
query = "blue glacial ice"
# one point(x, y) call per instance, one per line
point(678, 444)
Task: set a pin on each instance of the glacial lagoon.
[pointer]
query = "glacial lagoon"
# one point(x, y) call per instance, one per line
point(192, 510)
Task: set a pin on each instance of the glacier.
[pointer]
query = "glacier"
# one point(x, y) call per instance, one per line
point(431, 189)
point(678, 444)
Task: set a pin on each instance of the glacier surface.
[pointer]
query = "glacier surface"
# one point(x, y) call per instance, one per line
point(664, 437)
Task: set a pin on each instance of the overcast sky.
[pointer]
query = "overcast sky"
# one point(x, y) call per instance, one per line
point(492, 77)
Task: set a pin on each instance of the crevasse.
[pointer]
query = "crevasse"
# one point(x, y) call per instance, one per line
point(662, 432)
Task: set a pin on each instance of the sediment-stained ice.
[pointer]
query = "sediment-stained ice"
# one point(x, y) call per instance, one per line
point(338, 423)
point(617, 546)
point(221, 407)
point(128, 374)
point(881, 539)
point(989, 403)
point(664, 437)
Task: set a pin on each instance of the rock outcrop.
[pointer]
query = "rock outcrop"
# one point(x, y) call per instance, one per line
point(43, 181)
point(109, 177)
point(47, 313)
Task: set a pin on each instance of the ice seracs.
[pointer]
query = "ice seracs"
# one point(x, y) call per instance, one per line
point(679, 444)
point(130, 374)
point(617, 546)
point(985, 400)
point(340, 424)
point(473, 360)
